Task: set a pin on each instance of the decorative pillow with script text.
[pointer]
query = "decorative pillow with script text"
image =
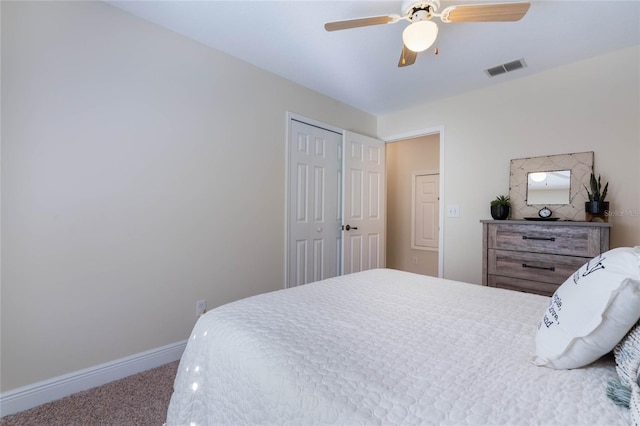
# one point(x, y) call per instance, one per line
point(591, 311)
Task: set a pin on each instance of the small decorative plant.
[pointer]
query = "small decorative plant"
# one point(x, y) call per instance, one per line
point(597, 193)
point(596, 208)
point(501, 200)
point(500, 207)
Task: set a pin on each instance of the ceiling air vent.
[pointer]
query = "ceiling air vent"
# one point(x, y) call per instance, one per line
point(507, 67)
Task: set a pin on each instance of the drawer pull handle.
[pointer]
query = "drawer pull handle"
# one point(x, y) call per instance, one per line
point(551, 268)
point(524, 237)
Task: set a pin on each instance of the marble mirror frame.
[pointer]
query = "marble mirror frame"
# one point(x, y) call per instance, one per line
point(580, 164)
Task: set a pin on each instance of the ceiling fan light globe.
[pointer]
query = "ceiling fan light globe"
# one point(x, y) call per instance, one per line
point(420, 35)
point(538, 176)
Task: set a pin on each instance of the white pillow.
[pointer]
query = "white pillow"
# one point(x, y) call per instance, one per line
point(591, 312)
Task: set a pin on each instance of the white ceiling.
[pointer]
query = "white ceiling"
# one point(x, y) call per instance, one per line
point(359, 66)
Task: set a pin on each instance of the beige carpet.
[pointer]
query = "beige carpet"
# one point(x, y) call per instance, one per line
point(141, 399)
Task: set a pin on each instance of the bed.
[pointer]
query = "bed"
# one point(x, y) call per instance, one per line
point(383, 347)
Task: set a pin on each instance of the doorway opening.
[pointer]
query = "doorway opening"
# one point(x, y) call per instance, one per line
point(414, 205)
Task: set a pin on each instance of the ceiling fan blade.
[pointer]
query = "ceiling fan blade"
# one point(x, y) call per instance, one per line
point(361, 22)
point(407, 57)
point(497, 12)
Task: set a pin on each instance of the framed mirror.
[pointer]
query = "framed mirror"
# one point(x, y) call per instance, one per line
point(549, 187)
point(565, 176)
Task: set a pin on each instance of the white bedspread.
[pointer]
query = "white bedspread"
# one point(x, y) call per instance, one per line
point(382, 347)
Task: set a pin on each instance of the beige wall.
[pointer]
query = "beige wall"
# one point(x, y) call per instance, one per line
point(131, 156)
point(592, 105)
point(141, 171)
point(403, 159)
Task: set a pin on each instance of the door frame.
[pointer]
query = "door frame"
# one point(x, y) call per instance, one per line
point(293, 116)
point(439, 130)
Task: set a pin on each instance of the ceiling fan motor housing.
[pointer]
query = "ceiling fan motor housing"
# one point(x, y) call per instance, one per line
point(420, 15)
point(411, 8)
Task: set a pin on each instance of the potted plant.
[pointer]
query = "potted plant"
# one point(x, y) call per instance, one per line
point(500, 207)
point(596, 206)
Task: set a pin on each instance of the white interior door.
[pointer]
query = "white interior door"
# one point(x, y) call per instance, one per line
point(314, 219)
point(425, 212)
point(363, 203)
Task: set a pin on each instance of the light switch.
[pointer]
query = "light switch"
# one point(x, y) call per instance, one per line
point(453, 210)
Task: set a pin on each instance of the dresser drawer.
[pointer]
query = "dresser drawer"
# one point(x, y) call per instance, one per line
point(549, 268)
point(517, 284)
point(563, 240)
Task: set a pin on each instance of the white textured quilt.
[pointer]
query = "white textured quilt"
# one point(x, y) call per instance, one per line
point(382, 347)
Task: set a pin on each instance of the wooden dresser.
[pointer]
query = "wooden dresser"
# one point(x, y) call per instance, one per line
point(538, 256)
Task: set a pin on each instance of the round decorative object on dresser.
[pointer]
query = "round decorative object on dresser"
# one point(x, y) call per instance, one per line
point(544, 213)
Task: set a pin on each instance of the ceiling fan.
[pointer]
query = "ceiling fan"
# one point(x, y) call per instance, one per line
point(422, 32)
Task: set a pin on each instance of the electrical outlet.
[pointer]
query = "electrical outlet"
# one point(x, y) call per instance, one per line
point(201, 307)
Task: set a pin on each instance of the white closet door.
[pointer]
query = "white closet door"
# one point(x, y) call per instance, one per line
point(364, 203)
point(314, 246)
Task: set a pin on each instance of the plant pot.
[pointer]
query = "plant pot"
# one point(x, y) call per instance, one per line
point(596, 211)
point(500, 212)
point(596, 207)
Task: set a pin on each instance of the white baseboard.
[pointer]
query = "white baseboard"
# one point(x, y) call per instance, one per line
point(49, 390)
